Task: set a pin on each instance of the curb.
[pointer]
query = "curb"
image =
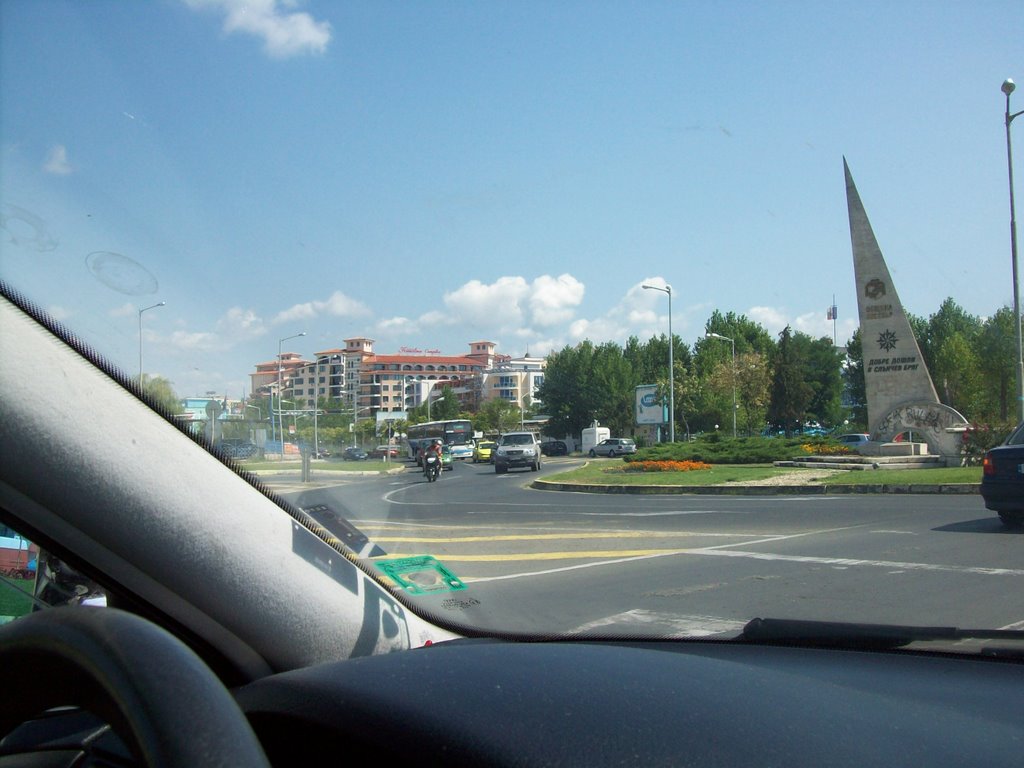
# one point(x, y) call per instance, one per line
point(762, 490)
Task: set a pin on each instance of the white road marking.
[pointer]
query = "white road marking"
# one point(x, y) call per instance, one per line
point(678, 625)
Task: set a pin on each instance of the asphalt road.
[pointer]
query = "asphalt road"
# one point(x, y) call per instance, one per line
point(542, 561)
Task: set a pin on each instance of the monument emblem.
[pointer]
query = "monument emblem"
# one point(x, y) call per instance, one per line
point(899, 390)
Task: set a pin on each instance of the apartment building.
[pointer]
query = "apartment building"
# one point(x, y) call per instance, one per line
point(367, 382)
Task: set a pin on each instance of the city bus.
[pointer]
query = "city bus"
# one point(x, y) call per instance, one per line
point(455, 433)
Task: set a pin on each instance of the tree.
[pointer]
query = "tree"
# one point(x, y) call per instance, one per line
point(998, 359)
point(853, 379)
point(446, 406)
point(822, 372)
point(497, 415)
point(790, 393)
point(159, 390)
point(566, 391)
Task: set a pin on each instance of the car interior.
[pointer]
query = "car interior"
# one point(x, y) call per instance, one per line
point(239, 631)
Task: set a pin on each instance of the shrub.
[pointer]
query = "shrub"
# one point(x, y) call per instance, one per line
point(716, 448)
point(980, 438)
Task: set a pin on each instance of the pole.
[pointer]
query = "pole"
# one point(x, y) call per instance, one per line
point(144, 309)
point(671, 364)
point(280, 389)
point(732, 341)
point(1008, 87)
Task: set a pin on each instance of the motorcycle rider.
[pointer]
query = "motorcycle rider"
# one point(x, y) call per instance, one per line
point(433, 449)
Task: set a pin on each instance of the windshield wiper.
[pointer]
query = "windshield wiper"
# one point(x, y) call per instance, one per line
point(838, 634)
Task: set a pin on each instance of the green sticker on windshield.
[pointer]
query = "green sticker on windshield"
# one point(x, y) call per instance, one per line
point(421, 575)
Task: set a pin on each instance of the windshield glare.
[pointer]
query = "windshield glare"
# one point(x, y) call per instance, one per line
point(320, 235)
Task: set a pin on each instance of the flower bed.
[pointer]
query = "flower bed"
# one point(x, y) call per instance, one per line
point(826, 449)
point(663, 466)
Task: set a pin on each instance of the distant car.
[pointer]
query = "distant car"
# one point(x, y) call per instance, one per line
point(554, 448)
point(382, 451)
point(462, 451)
point(854, 439)
point(484, 451)
point(354, 454)
point(1002, 479)
point(613, 446)
point(238, 449)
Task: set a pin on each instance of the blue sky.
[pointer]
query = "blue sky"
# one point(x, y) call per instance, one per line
point(430, 174)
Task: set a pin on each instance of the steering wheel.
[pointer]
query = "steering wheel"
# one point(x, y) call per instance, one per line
point(153, 690)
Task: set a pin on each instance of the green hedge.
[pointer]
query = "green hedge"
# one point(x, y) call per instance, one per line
point(719, 449)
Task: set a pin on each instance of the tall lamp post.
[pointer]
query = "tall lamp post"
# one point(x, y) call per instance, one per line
point(280, 398)
point(1008, 87)
point(733, 342)
point(145, 309)
point(671, 367)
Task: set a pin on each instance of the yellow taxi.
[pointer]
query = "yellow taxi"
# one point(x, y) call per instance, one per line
point(483, 451)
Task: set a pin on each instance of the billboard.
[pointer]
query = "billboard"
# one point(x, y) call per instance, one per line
point(649, 408)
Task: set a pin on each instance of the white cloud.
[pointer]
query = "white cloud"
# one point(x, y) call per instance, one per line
point(511, 304)
point(814, 324)
point(57, 161)
point(338, 305)
point(284, 33)
point(773, 320)
point(200, 340)
point(125, 310)
point(239, 324)
point(497, 304)
point(58, 312)
point(553, 299)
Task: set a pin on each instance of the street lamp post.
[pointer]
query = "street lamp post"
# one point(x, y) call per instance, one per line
point(1008, 87)
point(145, 309)
point(280, 421)
point(671, 367)
point(733, 342)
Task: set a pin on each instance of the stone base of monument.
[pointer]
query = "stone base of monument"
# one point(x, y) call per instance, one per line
point(904, 456)
point(893, 449)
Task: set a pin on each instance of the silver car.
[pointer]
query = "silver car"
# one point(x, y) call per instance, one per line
point(613, 446)
point(517, 449)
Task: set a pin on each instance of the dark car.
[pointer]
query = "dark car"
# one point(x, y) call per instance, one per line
point(1002, 479)
point(354, 454)
point(554, 448)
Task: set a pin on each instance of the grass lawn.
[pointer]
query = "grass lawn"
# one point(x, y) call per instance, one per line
point(11, 602)
point(604, 473)
point(943, 476)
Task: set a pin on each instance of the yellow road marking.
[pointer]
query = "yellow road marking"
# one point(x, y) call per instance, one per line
point(545, 537)
point(575, 555)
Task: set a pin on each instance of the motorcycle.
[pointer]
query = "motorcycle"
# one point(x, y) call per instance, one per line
point(432, 467)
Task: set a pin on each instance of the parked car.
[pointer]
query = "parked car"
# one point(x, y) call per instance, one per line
point(354, 454)
point(613, 446)
point(384, 451)
point(238, 449)
point(854, 439)
point(517, 449)
point(554, 448)
point(1002, 479)
point(484, 451)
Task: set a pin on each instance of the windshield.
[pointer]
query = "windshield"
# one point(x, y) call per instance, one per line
point(306, 228)
point(516, 440)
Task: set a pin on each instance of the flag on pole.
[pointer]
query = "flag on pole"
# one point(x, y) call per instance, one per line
point(832, 313)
